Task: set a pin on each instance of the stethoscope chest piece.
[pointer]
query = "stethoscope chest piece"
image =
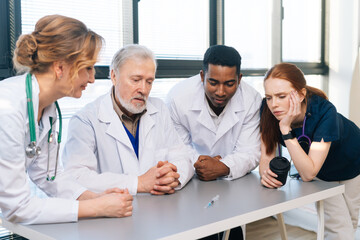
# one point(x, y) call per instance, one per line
point(32, 150)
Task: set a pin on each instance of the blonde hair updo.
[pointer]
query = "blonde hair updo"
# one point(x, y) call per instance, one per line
point(57, 38)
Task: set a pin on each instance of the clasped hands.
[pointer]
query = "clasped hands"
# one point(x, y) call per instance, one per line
point(209, 168)
point(160, 179)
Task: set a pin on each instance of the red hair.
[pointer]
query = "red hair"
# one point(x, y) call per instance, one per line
point(269, 125)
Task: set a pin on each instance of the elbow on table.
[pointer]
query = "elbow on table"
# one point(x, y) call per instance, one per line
point(308, 177)
point(13, 216)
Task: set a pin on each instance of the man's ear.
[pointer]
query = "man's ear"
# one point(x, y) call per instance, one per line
point(113, 77)
point(202, 75)
point(240, 76)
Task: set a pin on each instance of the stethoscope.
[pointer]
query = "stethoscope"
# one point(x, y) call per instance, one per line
point(32, 150)
point(305, 145)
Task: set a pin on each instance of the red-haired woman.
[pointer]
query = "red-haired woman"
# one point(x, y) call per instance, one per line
point(322, 143)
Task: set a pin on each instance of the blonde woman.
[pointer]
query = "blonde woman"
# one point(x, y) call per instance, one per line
point(58, 60)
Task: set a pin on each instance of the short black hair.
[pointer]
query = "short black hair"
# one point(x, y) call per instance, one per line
point(222, 55)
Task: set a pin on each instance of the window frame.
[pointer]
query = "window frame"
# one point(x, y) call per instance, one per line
point(10, 30)
point(10, 12)
point(314, 68)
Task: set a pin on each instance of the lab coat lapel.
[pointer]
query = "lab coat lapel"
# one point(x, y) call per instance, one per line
point(115, 128)
point(147, 138)
point(231, 116)
point(146, 123)
point(125, 151)
point(49, 111)
point(199, 107)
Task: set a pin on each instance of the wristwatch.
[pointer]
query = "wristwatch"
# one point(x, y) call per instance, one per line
point(287, 136)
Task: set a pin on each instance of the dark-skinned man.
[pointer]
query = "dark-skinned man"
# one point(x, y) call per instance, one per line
point(217, 115)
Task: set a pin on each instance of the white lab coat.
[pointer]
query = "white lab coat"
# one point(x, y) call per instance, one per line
point(16, 202)
point(237, 138)
point(99, 154)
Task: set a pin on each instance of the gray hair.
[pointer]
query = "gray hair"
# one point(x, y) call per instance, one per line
point(130, 52)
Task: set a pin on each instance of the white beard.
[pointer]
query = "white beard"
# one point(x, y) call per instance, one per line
point(134, 109)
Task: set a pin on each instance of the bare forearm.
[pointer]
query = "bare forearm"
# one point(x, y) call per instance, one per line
point(107, 205)
point(87, 209)
point(265, 158)
point(87, 195)
point(303, 163)
point(263, 164)
point(223, 170)
point(142, 187)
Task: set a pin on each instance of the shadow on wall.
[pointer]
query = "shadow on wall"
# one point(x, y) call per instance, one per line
point(354, 111)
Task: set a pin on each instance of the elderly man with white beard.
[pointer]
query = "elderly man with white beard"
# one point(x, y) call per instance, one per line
point(126, 139)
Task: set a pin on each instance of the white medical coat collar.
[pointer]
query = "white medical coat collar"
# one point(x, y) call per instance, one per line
point(107, 114)
point(49, 111)
point(235, 105)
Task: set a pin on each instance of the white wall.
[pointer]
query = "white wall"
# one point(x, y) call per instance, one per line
point(343, 48)
point(344, 43)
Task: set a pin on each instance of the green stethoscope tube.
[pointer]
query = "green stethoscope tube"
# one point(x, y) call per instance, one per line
point(32, 150)
point(30, 108)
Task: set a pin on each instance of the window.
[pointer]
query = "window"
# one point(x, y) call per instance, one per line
point(174, 29)
point(301, 36)
point(247, 28)
point(9, 31)
point(103, 17)
point(179, 31)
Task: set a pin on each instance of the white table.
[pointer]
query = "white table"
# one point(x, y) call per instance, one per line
point(182, 215)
